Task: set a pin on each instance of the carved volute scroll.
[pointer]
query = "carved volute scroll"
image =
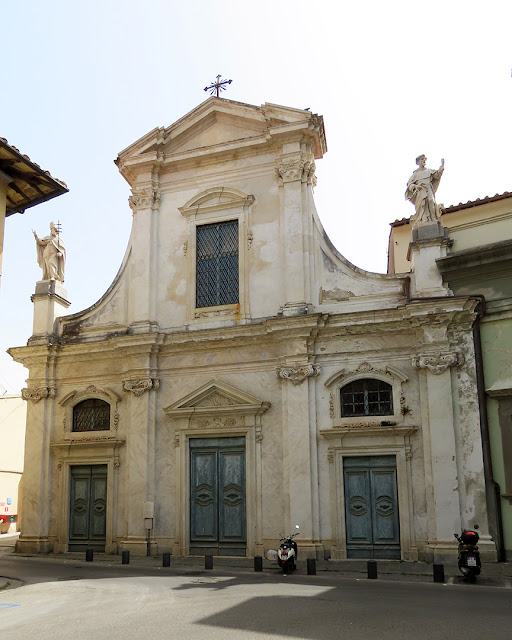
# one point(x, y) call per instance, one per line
point(34, 394)
point(297, 375)
point(438, 363)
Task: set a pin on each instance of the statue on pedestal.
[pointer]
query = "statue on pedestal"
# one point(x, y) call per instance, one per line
point(421, 190)
point(51, 254)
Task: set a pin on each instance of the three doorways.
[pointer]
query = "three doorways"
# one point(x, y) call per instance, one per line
point(218, 502)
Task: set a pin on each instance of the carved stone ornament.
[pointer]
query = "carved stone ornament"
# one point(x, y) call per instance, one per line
point(290, 170)
point(216, 399)
point(438, 363)
point(138, 387)
point(217, 422)
point(144, 199)
point(35, 394)
point(308, 174)
point(185, 247)
point(297, 375)
point(214, 314)
point(331, 405)
point(250, 238)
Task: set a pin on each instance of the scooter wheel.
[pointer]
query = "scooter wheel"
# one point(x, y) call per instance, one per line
point(472, 577)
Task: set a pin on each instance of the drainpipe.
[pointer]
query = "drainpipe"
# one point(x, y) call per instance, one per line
point(482, 402)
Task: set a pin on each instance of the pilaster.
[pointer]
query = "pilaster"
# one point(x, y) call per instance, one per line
point(294, 171)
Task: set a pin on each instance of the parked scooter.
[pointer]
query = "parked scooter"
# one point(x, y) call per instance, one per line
point(287, 553)
point(469, 556)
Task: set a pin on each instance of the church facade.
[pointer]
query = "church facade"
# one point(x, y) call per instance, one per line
point(240, 376)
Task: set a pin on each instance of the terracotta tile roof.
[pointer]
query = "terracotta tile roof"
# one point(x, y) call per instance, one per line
point(29, 184)
point(462, 205)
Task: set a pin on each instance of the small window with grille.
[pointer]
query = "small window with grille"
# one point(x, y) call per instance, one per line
point(366, 397)
point(217, 264)
point(91, 415)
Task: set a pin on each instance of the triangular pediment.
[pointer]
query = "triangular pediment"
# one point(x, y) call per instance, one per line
point(217, 397)
point(218, 122)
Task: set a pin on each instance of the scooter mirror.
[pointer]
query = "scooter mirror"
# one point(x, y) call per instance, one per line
point(297, 526)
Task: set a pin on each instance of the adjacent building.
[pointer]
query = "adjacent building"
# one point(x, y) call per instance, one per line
point(240, 376)
point(479, 263)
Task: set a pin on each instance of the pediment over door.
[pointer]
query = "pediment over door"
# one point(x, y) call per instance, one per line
point(215, 399)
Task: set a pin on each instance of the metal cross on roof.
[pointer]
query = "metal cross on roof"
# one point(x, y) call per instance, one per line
point(217, 86)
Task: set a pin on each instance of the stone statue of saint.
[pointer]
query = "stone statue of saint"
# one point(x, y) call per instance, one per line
point(51, 254)
point(421, 190)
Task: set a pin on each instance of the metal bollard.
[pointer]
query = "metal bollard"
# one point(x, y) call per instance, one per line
point(438, 572)
point(166, 559)
point(258, 563)
point(89, 555)
point(125, 557)
point(208, 562)
point(372, 569)
point(311, 564)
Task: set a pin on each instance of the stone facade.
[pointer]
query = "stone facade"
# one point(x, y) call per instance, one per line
point(266, 369)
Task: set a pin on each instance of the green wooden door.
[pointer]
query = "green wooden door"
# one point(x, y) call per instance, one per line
point(88, 507)
point(217, 496)
point(371, 507)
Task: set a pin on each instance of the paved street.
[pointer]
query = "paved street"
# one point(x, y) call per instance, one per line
point(64, 598)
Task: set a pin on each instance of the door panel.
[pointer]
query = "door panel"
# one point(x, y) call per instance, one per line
point(217, 496)
point(203, 522)
point(88, 507)
point(371, 507)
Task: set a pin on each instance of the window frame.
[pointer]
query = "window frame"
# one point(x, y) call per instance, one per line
point(366, 401)
point(218, 266)
point(94, 430)
point(213, 206)
point(385, 373)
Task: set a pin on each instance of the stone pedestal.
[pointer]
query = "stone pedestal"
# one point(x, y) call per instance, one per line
point(50, 302)
point(429, 242)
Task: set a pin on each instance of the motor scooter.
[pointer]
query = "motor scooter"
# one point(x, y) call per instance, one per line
point(287, 553)
point(469, 556)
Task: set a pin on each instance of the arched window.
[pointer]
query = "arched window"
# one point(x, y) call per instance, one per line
point(91, 415)
point(367, 397)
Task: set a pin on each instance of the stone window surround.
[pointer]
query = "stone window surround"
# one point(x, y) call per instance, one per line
point(388, 374)
point(70, 400)
point(208, 208)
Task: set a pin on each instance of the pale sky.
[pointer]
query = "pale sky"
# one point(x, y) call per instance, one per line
point(83, 80)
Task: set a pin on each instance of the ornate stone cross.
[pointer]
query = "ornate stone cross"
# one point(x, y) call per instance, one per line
point(217, 86)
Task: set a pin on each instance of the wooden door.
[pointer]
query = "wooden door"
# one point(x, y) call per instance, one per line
point(371, 507)
point(217, 496)
point(88, 507)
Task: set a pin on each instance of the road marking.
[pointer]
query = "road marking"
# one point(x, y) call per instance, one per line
point(4, 605)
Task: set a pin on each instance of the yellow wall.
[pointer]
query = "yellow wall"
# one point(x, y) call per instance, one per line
point(468, 228)
point(13, 417)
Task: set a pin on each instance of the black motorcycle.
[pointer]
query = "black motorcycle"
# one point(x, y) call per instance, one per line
point(287, 553)
point(469, 556)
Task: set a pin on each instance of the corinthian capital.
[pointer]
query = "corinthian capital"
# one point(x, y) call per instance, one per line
point(290, 170)
point(144, 199)
point(438, 363)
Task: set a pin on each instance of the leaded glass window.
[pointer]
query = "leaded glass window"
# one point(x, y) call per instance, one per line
point(217, 264)
point(91, 415)
point(366, 398)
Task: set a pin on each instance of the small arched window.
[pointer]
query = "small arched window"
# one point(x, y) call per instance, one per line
point(91, 415)
point(367, 397)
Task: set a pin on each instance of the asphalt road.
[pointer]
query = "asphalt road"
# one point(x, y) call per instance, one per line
point(72, 600)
